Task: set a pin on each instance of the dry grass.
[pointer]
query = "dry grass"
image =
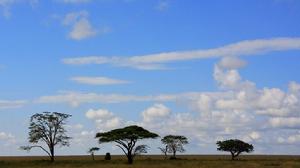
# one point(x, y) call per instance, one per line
point(191, 161)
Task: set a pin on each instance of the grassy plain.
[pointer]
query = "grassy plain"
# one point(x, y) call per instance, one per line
point(153, 161)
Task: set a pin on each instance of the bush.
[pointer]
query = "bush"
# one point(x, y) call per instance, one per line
point(107, 156)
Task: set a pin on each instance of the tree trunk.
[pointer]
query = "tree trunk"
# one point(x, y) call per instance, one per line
point(174, 153)
point(130, 158)
point(52, 154)
point(232, 156)
point(93, 156)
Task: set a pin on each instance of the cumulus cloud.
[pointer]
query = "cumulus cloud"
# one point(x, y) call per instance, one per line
point(104, 119)
point(157, 61)
point(98, 114)
point(81, 27)
point(238, 109)
point(6, 104)
point(98, 80)
point(157, 111)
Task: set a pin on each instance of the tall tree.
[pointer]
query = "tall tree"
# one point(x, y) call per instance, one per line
point(235, 147)
point(48, 127)
point(126, 139)
point(174, 143)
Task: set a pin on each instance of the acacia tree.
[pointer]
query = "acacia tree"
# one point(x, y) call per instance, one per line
point(92, 151)
point(48, 127)
point(126, 139)
point(235, 147)
point(174, 143)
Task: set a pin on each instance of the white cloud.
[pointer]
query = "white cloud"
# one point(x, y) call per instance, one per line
point(237, 110)
point(6, 104)
point(98, 114)
point(5, 136)
point(285, 122)
point(81, 27)
point(104, 119)
point(294, 139)
point(294, 87)
point(227, 79)
point(98, 80)
point(157, 111)
point(8, 138)
point(291, 139)
point(271, 98)
point(243, 48)
point(255, 135)
point(231, 63)
point(77, 98)
point(112, 123)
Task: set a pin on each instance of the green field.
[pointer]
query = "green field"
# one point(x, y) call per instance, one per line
point(191, 161)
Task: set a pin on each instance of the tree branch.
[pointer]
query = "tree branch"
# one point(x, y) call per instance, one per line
point(122, 149)
point(37, 146)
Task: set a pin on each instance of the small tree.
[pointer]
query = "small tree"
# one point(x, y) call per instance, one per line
point(92, 151)
point(126, 139)
point(235, 147)
point(49, 128)
point(164, 151)
point(174, 143)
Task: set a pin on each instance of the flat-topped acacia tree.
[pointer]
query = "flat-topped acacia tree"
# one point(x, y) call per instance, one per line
point(235, 147)
point(48, 127)
point(126, 139)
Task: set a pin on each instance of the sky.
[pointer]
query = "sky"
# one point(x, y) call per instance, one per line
point(208, 70)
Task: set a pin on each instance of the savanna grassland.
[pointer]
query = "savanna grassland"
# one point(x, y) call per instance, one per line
point(191, 161)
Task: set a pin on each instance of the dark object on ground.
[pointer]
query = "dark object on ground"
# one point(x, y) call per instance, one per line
point(107, 156)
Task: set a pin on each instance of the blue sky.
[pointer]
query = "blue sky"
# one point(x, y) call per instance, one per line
point(171, 66)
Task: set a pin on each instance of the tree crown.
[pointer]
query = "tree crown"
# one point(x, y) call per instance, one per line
point(49, 127)
point(93, 149)
point(127, 133)
point(234, 145)
point(174, 139)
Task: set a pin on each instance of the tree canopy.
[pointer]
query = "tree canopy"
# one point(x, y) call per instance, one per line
point(48, 127)
point(126, 139)
point(235, 147)
point(174, 143)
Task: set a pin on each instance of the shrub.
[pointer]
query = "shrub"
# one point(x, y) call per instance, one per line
point(107, 156)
